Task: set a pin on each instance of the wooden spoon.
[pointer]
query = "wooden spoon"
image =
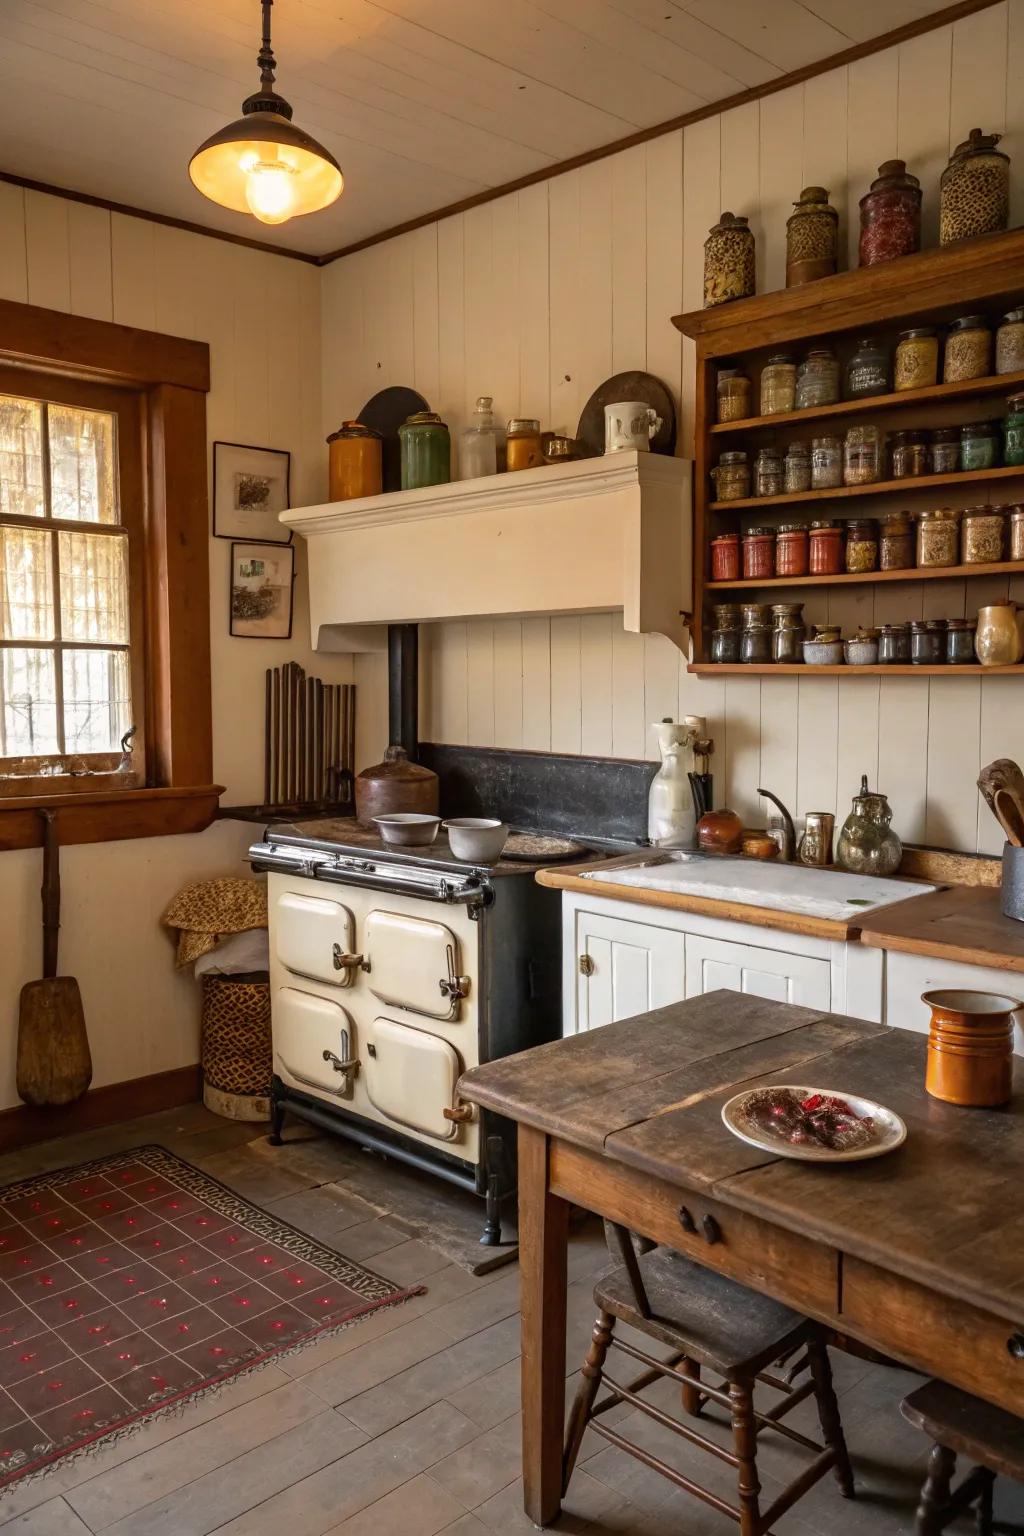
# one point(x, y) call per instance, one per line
point(1004, 774)
point(1010, 816)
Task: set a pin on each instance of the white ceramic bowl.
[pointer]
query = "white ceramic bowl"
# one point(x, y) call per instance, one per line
point(408, 829)
point(476, 839)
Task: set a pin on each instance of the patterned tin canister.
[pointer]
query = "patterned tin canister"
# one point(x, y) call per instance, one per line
point(890, 215)
point(426, 451)
point(729, 261)
point(975, 189)
point(812, 239)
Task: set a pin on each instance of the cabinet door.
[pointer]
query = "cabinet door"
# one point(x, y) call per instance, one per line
point(624, 968)
point(714, 963)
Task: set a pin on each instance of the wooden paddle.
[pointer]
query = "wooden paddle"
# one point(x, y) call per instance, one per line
point(54, 1062)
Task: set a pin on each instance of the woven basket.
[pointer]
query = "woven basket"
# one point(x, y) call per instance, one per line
point(237, 1054)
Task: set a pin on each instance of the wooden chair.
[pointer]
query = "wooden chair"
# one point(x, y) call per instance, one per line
point(958, 1424)
point(707, 1321)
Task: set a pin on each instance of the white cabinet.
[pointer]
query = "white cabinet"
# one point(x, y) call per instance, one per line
point(621, 968)
point(907, 976)
point(787, 978)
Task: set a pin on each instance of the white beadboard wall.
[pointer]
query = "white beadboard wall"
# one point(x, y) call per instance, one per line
point(537, 297)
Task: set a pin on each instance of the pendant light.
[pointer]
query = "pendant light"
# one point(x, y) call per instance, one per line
point(261, 163)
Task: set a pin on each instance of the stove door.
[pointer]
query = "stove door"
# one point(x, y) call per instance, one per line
point(411, 1076)
point(314, 1042)
point(414, 964)
point(314, 936)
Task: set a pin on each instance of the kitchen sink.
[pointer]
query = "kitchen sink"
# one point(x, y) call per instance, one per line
point(826, 893)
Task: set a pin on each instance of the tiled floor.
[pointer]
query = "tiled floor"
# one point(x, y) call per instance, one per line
point(407, 1423)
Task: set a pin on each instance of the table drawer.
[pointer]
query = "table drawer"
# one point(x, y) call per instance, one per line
point(782, 1264)
point(938, 1334)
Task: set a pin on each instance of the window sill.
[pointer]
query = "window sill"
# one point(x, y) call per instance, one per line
point(108, 816)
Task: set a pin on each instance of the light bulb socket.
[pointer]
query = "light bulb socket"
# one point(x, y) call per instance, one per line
point(267, 101)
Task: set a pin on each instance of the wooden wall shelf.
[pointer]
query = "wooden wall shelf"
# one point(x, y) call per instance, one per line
point(802, 669)
point(860, 578)
point(876, 488)
point(1004, 383)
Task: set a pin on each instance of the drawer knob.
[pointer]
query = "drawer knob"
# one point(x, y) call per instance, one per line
point(1015, 1345)
point(712, 1231)
point(686, 1220)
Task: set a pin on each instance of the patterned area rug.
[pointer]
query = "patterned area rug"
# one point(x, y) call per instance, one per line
point(134, 1283)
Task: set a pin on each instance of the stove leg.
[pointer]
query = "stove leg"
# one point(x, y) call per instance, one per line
point(276, 1119)
point(490, 1237)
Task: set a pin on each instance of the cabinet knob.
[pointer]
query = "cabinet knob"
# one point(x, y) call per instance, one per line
point(686, 1220)
point(586, 965)
point(1015, 1345)
point(712, 1231)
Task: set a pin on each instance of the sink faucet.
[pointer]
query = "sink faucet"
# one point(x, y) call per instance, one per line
point(788, 829)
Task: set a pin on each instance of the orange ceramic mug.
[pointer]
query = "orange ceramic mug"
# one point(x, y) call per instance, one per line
point(970, 1047)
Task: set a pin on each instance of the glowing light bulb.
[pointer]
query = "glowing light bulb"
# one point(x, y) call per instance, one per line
point(270, 191)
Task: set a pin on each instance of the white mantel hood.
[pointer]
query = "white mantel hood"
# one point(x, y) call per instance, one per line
point(604, 534)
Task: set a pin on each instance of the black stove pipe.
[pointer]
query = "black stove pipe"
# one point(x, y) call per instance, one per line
point(404, 687)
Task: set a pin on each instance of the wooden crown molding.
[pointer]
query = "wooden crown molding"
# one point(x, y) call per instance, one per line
point(99, 349)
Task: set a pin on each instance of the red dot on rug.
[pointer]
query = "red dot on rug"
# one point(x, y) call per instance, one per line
point(26, 1358)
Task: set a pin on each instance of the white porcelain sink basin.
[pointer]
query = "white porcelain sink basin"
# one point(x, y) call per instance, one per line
point(825, 893)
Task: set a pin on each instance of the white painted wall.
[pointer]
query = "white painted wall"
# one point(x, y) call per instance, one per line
point(537, 297)
point(261, 316)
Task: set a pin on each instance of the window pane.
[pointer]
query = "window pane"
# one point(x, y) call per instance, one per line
point(26, 584)
point(28, 720)
point(94, 587)
point(82, 484)
point(21, 457)
point(97, 700)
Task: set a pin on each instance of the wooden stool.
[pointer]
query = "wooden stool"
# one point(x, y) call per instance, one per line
point(962, 1425)
point(707, 1320)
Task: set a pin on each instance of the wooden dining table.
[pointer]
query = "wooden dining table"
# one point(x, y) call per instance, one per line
point(918, 1254)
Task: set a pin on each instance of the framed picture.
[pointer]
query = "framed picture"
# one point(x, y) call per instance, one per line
point(250, 488)
point(261, 591)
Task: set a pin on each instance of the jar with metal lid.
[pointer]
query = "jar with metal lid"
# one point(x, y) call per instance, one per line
point(796, 469)
point(524, 447)
point(827, 463)
point(817, 379)
point(731, 476)
point(944, 450)
point(867, 372)
point(823, 646)
point(917, 359)
point(812, 238)
point(862, 456)
point(979, 445)
point(758, 553)
point(729, 261)
point(825, 548)
point(974, 189)
point(778, 385)
point(1013, 431)
point(861, 545)
point(354, 462)
point(910, 455)
point(896, 543)
point(960, 641)
point(968, 350)
point(927, 642)
point(756, 643)
point(938, 538)
point(732, 394)
point(1010, 343)
point(890, 215)
point(1016, 519)
point(768, 473)
point(755, 614)
point(788, 632)
point(893, 644)
point(725, 557)
point(792, 548)
point(982, 537)
point(727, 615)
point(725, 645)
point(426, 451)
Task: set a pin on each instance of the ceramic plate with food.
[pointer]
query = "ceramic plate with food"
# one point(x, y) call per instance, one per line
point(815, 1125)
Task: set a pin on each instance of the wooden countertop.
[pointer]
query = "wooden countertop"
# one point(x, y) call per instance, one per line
point(962, 924)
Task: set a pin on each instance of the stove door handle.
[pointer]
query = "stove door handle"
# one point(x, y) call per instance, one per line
point(346, 962)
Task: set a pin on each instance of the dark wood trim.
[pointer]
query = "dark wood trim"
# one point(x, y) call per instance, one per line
point(23, 1125)
point(110, 815)
point(658, 130)
point(54, 341)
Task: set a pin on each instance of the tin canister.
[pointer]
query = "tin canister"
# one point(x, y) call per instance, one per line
point(524, 448)
point(354, 467)
point(426, 451)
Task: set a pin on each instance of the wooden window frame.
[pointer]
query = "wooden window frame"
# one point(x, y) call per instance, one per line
point(169, 378)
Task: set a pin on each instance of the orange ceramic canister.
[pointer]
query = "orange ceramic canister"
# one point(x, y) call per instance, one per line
point(970, 1047)
point(355, 462)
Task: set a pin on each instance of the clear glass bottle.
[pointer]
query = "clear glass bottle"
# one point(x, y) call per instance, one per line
point(827, 462)
point(862, 456)
point(478, 448)
point(817, 379)
point(768, 473)
point(797, 469)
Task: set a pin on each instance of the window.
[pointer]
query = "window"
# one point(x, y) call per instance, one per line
point(72, 621)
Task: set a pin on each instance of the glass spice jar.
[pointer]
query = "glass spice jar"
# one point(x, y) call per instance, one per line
point(917, 360)
point(896, 543)
point(974, 189)
point(778, 385)
point(893, 644)
point(1010, 343)
point(758, 553)
point(944, 450)
point(796, 469)
point(731, 476)
point(523, 444)
point(768, 473)
point(910, 455)
point(827, 462)
point(861, 545)
point(727, 615)
point(938, 538)
point(788, 632)
point(792, 549)
point(960, 641)
point(890, 215)
point(756, 643)
point(982, 537)
point(817, 379)
point(979, 445)
point(867, 372)
point(1013, 431)
point(725, 645)
point(729, 261)
point(862, 456)
point(968, 349)
point(825, 548)
point(725, 557)
point(812, 239)
point(1016, 533)
point(732, 395)
point(927, 642)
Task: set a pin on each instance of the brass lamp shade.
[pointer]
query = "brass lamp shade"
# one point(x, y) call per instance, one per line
point(221, 168)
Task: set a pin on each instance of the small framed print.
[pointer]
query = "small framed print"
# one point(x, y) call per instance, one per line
point(262, 577)
point(250, 489)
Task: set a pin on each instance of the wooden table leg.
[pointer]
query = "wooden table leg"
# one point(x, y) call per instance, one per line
point(543, 1237)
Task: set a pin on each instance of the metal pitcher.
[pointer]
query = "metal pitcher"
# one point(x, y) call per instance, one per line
point(867, 844)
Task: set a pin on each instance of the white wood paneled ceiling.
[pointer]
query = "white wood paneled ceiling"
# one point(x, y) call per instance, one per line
point(423, 102)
